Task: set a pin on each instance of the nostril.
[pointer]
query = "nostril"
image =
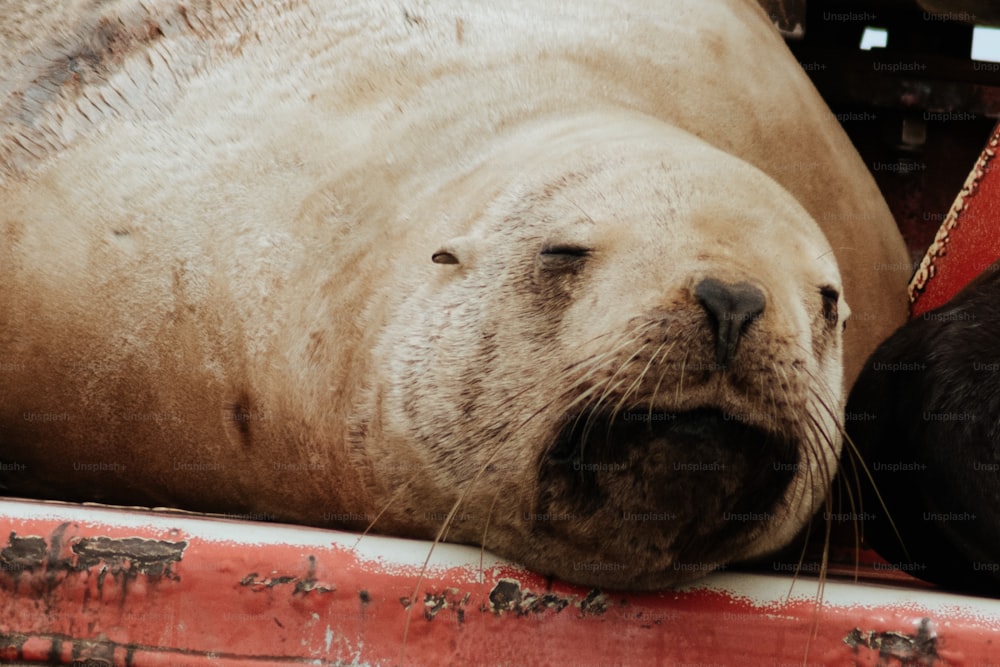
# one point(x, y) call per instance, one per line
point(731, 307)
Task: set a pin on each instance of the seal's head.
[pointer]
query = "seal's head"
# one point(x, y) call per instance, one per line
point(626, 372)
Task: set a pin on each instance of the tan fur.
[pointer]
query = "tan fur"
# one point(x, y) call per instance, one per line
point(218, 217)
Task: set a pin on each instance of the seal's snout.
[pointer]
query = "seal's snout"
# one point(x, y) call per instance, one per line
point(731, 308)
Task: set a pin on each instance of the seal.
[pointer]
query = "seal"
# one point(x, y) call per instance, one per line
point(567, 282)
point(924, 416)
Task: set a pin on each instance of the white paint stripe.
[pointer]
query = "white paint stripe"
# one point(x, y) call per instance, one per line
point(391, 551)
point(763, 590)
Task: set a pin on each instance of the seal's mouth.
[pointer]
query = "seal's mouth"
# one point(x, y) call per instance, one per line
point(597, 436)
point(653, 492)
point(698, 467)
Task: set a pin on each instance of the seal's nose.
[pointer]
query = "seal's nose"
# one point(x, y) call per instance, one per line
point(731, 307)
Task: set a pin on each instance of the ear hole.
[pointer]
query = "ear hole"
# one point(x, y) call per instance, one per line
point(459, 250)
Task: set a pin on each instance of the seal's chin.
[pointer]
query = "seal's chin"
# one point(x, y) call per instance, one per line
point(650, 489)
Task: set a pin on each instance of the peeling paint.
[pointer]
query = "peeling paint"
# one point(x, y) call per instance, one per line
point(124, 559)
point(257, 582)
point(595, 604)
point(23, 554)
point(450, 598)
point(434, 602)
point(310, 583)
point(505, 596)
point(307, 584)
point(508, 596)
point(130, 556)
point(916, 650)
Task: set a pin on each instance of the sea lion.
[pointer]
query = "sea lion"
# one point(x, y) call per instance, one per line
point(924, 415)
point(566, 281)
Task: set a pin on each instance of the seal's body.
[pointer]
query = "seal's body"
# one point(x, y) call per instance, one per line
point(925, 415)
point(576, 273)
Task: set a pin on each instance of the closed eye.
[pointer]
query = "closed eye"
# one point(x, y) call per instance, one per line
point(831, 297)
point(566, 250)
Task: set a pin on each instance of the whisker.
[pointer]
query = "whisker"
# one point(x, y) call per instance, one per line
point(633, 389)
point(659, 380)
point(402, 490)
point(609, 391)
point(680, 379)
point(855, 454)
point(446, 524)
point(594, 363)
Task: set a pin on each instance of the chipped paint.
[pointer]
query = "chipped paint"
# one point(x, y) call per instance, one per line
point(450, 598)
point(22, 553)
point(508, 596)
point(56, 559)
point(917, 650)
point(130, 556)
point(306, 584)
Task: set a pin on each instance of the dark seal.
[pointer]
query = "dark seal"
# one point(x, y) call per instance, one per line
point(925, 415)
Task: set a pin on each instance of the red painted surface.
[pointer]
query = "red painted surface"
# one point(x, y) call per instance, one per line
point(235, 593)
point(969, 238)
